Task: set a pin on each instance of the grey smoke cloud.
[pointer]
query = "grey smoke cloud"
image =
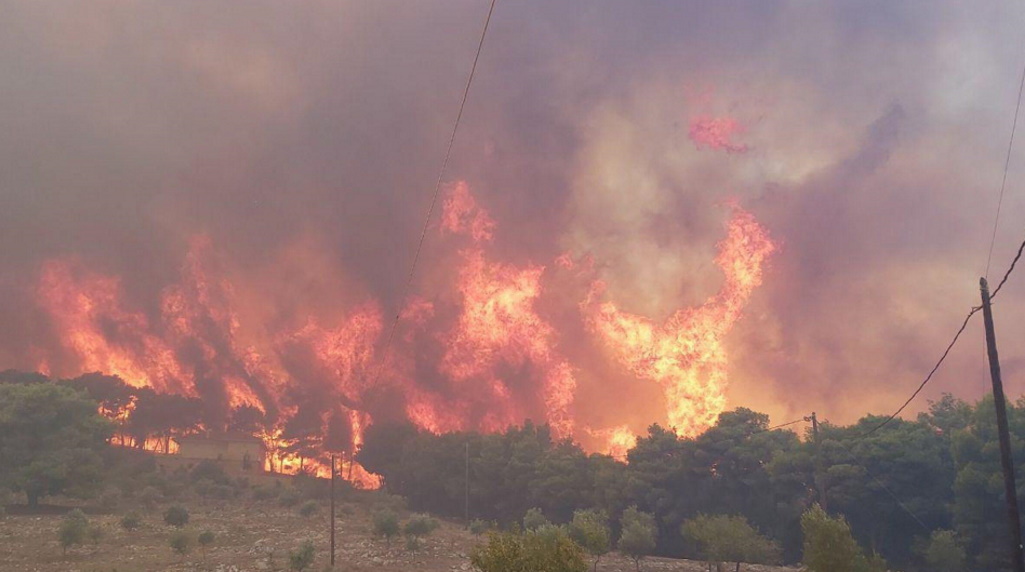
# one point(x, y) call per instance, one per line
point(877, 134)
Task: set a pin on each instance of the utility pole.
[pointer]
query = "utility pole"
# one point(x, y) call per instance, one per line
point(1010, 490)
point(466, 499)
point(332, 511)
point(819, 473)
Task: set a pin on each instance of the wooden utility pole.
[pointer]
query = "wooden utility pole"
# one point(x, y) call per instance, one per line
point(1010, 490)
point(820, 478)
point(332, 511)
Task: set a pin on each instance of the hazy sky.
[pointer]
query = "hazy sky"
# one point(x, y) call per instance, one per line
point(873, 140)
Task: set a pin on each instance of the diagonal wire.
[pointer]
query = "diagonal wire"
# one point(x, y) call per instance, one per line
point(934, 369)
point(1003, 182)
point(884, 487)
point(437, 189)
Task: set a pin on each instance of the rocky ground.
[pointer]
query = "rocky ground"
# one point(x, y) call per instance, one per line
point(253, 537)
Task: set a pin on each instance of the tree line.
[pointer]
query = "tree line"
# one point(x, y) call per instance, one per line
point(144, 418)
point(902, 488)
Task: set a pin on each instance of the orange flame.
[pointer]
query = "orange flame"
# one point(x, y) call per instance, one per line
point(685, 355)
point(482, 356)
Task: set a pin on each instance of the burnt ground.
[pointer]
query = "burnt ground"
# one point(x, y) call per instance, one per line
point(252, 536)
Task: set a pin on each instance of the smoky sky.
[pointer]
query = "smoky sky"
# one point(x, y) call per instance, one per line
point(876, 135)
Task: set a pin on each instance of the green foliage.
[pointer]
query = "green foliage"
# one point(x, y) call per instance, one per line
point(420, 525)
point(309, 508)
point(181, 542)
point(265, 493)
point(131, 521)
point(73, 529)
point(829, 546)
point(176, 515)
point(51, 440)
point(944, 552)
point(302, 558)
point(149, 497)
point(551, 551)
point(637, 538)
point(534, 519)
point(478, 527)
point(95, 533)
point(730, 539)
point(590, 529)
point(211, 471)
point(289, 496)
point(205, 539)
point(386, 525)
point(109, 500)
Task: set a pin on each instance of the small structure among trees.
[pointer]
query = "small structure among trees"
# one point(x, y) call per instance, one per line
point(236, 453)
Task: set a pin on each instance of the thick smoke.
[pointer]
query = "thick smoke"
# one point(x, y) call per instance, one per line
point(302, 142)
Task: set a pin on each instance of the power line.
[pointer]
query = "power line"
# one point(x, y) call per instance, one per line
point(882, 485)
point(1009, 270)
point(925, 381)
point(437, 187)
point(1003, 181)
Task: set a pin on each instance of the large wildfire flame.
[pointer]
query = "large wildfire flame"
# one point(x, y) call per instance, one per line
point(481, 355)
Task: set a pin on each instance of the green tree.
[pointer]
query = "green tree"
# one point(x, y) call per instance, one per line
point(181, 542)
point(302, 558)
point(590, 529)
point(205, 539)
point(944, 553)
point(551, 550)
point(730, 539)
point(176, 515)
point(534, 519)
point(829, 546)
point(72, 530)
point(309, 508)
point(386, 525)
point(51, 440)
point(420, 525)
point(131, 521)
point(637, 538)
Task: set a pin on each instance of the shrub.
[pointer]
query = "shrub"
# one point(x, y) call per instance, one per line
point(302, 558)
point(181, 542)
point(95, 534)
point(210, 471)
point(944, 553)
point(131, 521)
point(176, 515)
point(205, 539)
point(265, 493)
point(730, 539)
point(109, 500)
point(309, 508)
point(412, 543)
point(478, 527)
point(72, 529)
point(590, 529)
point(420, 525)
point(289, 497)
point(149, 497)
point(829, 546)
point(534, 519)
point(552, 551)
point(386, 525)
point(637, 538)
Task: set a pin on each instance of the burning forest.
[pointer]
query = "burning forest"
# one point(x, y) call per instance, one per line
point(490, 345)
